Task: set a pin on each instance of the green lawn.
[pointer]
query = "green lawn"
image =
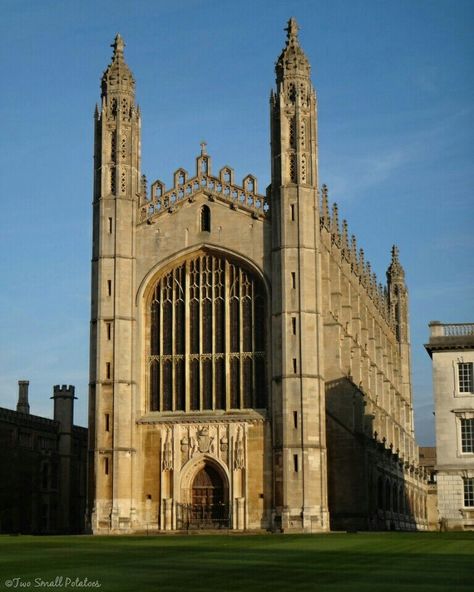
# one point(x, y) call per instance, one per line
point(378, 562)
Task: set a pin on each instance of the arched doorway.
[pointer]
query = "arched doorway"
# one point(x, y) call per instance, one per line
point(207, 488)
point(209, 505)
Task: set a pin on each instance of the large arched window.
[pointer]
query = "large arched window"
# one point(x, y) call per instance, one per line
point(207, 337)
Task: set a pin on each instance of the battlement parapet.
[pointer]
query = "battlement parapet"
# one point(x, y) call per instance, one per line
point(64, 390)
point(361, 268)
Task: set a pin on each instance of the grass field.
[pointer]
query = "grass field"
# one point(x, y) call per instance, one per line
point(378, 562)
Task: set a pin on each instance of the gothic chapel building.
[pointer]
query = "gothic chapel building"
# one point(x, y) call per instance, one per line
point(247, 369)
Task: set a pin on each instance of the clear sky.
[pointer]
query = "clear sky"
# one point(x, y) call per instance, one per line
point(395, 88)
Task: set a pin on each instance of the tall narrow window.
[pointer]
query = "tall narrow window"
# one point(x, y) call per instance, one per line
point(293, 325)
point(109, 287)
point(295, 369)
point(207, 338)
point(110, 226)
point(293, 280)
point(107, 422)
point(295, 419)
point(292, 212)
point(109, 331)
point(107, 370)
point(106, 466)
point(205, 219)
point(295, 462)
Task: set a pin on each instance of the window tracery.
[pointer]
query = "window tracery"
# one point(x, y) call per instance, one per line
point(207, 338)
point(292, 134)
point(293, 168)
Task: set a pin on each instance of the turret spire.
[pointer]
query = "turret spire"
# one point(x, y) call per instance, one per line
point(395, 270)
point(118, 77)
point(292, 60)
point(118, 46)
point(292, 31)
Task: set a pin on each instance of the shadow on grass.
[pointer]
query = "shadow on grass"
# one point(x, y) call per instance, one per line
point(362, 562)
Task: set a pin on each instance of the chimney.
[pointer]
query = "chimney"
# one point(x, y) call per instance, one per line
point(23, 406)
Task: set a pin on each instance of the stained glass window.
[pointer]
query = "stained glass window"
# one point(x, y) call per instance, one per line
point(207, 338)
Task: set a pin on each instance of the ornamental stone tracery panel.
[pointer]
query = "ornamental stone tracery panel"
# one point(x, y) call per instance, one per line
point(207, 337)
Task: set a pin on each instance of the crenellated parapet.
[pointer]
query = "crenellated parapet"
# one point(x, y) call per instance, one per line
point(347, 251)
point(221, 188)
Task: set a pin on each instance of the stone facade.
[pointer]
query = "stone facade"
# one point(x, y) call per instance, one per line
point(451, 347)
point(428, 462)
point(42, 467)
point(247, 369)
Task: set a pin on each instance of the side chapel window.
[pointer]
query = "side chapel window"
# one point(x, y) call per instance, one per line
point(207, 338)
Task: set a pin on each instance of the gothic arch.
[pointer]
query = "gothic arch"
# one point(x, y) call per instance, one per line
point(191, 469)
point(205, 328)
point(145, 288)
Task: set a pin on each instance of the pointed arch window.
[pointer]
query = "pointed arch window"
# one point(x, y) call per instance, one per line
point(205, 220)
point(207, 338)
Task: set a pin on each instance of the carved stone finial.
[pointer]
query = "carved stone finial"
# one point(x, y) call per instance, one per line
point(118, 45)
point(335, 231)
point(203, 148)
point(144, 187)
point(361, 264)
point(345, 238)
point(395, 270)
point(292, 59)
point(118, 77)
point(325, 206)
point(292, 30)
point(354, 252)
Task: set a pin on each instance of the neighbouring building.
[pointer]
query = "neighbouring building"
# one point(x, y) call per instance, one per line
point(428, 463)
point(451, 347)
point(248, 370)
point(42, 467)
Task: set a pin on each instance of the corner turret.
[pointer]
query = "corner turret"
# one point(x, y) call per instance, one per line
point(398, 296)
point(299, 390)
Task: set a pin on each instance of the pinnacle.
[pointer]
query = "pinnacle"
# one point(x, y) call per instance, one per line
point(395, 268)
point(118, 74)
point(118, 45)
point(395, 253)
point(292, 60)
point(292, 30)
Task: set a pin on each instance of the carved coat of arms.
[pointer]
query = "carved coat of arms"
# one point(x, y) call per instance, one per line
point(204, 440)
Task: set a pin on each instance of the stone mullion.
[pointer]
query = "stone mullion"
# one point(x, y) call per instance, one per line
point(252, 333)
point(173, 339)
point(213, 335)
point(187, 329)
point(227, 288)
point(200, 301)
point(160, 359)
point(241, 347)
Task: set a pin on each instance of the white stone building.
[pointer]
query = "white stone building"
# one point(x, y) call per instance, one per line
point(451, 348)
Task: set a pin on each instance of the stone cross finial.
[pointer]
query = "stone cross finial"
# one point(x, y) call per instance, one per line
point(292, 29)
point(118, 45)
point(203, 148)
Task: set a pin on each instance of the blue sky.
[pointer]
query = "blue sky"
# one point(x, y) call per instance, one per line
point(395, 88)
